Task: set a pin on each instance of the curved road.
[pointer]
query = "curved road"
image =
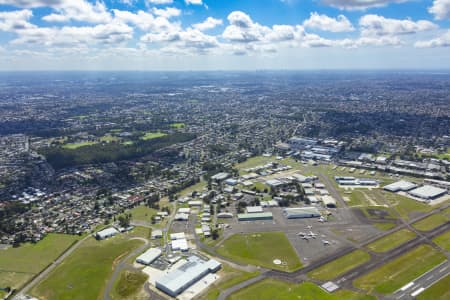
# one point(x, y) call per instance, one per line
point(123, 265)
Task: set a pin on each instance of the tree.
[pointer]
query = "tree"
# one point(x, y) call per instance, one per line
point(124, 221)
point(215, 234)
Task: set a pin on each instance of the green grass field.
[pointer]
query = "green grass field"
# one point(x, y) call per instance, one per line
point(152, 135)
point(351, 295)
point(394, 274)
point(196, 187)
point(177, 125)
point(253, 162)
point(261, 249)
point(109, 138)
point(270, 289)
point(340, 266)
point(228, 278)
point(438, 291)
point(443, 240)
point(18, 265)
point(392, 240)
point(84, 274)
point(142, 213)
point(430, 222)
point(405, 206)
point(73, 146)
point(384, 226)
point(128, 284)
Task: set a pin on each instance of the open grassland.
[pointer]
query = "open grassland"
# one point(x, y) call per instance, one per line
point(228, 278)
point(384, 226)
point(73, 146)
point(109, 138)
point(340, 266)
point(392, 240)
point(438, 291)
point(431, 222)
point(198, 187)
point(269, 289)
point(351, 295)
point(261, 249)
point(152, 135)
point(254, 162)
point(400, 271)
point(443, 240)
point(177, 125)
point(18, 265)
point(84, 274)
point(405, 206)
point(141, 213)
point(128, 284)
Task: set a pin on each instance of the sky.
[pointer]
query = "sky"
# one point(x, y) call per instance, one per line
point(224, 34)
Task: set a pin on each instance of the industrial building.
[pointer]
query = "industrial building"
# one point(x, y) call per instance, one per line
point(220, 176)
point(255, 216)
point(352, 181)
point(178, 280)
point(149, 256)
point(301, 212)
point(400, 186)
point(254, 209)
point(329, 201)
point(179, 245)
point(106, 233)
point(157, 234)
point(428, 192)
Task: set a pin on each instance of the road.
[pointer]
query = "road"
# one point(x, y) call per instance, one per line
point(123, 265)
point(423, 282)
point(36, 280)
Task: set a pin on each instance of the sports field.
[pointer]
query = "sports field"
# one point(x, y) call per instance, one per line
point(142, 213)
point(270, 289)
point(18, 265)
point(392, 240)
point(438, 291)
point(443, 240)
point(73, 146)
point(394, 274)
point(84, 274)
point(340, 266)
point(152, 135)
point(431, 222)
point(261, 249)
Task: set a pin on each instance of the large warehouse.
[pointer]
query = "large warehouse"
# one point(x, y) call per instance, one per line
point(255, 216)
point(106, 233)
point(301, 212)
point(400, 186)
point(176, 281)
point(428, 192)
point(149, 256)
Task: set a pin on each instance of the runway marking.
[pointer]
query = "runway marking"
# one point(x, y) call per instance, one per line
point(407, 286)
point(443, 269)
point(430, 277)
point(417, 292)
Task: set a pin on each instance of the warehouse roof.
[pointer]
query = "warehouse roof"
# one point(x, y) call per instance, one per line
point(401, 185)
point(427, 192)
point(149, 256)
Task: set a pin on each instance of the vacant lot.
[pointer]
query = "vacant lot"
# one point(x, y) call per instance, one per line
point(18, 265)
point(431, 222)
point(270, 289)
point(261, 249)
point(443, 240)
point(400, 271)
point(392, 241)
point(438, 291)
point(128, 284)
point(85, 272)
point(142, 213)
point(340, 266)
point(253, 162)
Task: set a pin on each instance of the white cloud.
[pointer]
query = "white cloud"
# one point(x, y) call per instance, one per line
point(359, 4)
point(80, 10)
point(209, 23)
point(157, 2)
point(194, 2)
point(375, 25)
point(440, 9)
point(167, 12)
point(441, 41)
point(325, 23)
point(146, 21)
point(13, 21)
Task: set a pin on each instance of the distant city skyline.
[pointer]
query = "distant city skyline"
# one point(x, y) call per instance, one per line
point(224, 35)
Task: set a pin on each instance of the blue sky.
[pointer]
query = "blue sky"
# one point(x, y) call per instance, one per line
point(221, 35)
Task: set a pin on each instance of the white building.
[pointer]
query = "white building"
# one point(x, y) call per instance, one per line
point(106, 233)
point(149, 256)
point(400, 186)
point(428, 192)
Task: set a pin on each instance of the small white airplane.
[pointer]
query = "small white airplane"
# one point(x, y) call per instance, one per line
point(305, 237)
point(301, 234)
point(312, 234)
point(325, 242)
point(309, 226)
point(322, 219)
